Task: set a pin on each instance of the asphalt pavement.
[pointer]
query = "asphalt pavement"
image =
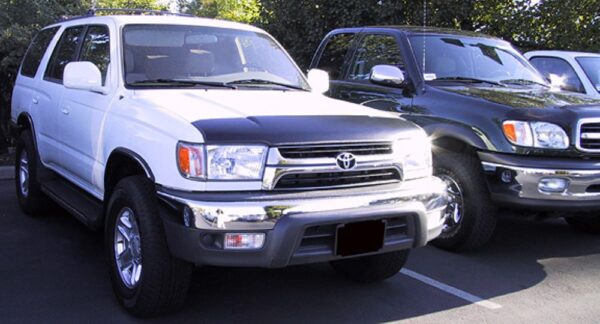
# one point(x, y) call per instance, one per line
point(52, 269)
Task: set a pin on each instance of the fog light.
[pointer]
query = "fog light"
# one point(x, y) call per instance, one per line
point(553, 185)
point(249, 241)
point(506, 176)
point(188, 217)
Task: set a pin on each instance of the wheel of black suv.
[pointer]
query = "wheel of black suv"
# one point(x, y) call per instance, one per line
point(470, 218)
point(584, 223)
point(27, 165)
point(372, 268)
point(146, 278)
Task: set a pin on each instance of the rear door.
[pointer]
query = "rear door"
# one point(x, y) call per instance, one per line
point(49, 93)
point(376, 48)
point(82, 113)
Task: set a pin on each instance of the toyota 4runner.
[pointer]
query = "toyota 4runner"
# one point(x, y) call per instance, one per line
point(196, 141)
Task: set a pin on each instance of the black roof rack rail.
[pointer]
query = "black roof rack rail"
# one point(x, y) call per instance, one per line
point(116, 11)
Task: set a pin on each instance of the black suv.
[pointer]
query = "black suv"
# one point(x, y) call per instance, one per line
point(503, 136)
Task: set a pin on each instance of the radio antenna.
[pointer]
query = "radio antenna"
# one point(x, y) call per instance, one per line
point(424, 47)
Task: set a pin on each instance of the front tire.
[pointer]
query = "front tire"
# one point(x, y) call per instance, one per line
point(470, 218)
point(372, 268)
point(27, 167)
point(146, 278)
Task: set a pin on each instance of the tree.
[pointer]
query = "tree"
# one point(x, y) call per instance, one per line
point(246, 11)
point(130, 4)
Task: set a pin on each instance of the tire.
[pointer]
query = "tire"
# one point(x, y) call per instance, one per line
point(372, 268)
point(584, 224)
point(27, 167)
point(471, 215)
point(162, 280)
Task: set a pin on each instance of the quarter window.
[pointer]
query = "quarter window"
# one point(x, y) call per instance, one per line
point(375, 50)
point(64, 53)
point(334, 54)
point(36, 52)
point(96, 49)
point(561, 69)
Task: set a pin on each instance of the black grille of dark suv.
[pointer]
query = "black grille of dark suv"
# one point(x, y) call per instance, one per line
point(589, 143)
point(324, 151)
point(338, 179)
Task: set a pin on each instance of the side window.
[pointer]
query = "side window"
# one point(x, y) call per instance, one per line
point(560, 68)
point(332, 59)
point(36, 52)
point(96, 48)
point(374, 50)
point(64, 53)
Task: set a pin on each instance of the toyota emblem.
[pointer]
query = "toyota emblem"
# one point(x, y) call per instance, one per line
point(346, 161)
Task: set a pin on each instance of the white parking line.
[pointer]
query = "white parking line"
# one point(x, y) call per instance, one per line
point(451, 290)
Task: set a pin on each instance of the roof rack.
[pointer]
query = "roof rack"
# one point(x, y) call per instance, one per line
point(124, 11)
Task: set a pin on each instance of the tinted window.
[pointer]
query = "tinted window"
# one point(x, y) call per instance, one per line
point(36, 51)
point(96, 48)
point(64, 53)
point(374, 50)
point(332, 59)
point(560, 69)
point(591, 66)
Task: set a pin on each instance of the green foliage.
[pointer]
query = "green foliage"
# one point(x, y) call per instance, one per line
point(246, 11)
point(130, 4)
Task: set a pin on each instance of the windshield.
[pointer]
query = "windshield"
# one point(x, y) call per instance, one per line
point(591, 67)
point(183, 56)
point(479, 59)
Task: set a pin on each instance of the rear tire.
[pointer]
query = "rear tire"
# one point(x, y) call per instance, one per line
point(160, 281)
point(471, 215)
point(27, 167)
point(589, 225)
point(372, 268)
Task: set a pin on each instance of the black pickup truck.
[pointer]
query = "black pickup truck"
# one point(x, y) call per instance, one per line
point(503, 136)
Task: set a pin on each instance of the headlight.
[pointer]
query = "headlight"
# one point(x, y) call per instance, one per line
point(535, 134)
point(221, 162)
point(415, 156)
point(235, 162)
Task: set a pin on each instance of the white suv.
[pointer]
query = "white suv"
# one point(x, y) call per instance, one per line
point(197, 141)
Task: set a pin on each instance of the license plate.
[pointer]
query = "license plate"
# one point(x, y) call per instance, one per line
point(360, 237)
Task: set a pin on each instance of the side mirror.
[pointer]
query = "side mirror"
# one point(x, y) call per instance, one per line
point(83, 76)
point(318, 80)
point(387, 75)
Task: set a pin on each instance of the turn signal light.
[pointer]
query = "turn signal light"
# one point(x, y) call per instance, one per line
point(190, 160)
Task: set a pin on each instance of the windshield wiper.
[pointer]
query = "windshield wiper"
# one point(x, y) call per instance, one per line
point(523, 82)
point(262, 81)
point(469, 80)
point(178, 82)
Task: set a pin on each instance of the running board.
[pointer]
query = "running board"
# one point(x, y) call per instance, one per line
point(83, 206)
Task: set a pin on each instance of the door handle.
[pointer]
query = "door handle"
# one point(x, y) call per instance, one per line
point(65, 111)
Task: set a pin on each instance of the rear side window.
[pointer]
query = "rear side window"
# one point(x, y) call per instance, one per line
point(559, 68)
point(96, 48)
point(36, 52)
point(374, 50)
point(332, 59)
point(64, 53)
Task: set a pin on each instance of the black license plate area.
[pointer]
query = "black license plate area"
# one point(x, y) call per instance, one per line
point(360, 237)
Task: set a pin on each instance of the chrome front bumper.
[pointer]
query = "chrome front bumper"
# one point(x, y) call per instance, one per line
point(426, 197)
point(526, 182)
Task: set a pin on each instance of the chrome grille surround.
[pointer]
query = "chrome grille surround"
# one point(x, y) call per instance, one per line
point(588, 135)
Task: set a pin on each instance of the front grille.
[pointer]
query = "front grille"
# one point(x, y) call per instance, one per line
point(589, 138)
point(325, 151)
point(338, 179)
point(320, 240)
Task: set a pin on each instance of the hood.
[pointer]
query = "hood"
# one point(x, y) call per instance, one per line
point(527, 98)
point(276, 117)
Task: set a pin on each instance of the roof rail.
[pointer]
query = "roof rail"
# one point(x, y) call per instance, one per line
point(124, 11)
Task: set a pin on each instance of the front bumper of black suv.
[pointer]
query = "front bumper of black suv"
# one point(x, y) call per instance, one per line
point(299, 227)
point(542, 183)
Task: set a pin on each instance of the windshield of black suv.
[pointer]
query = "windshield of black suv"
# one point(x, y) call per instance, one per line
point(591, 67)
point(190, 56)
point(473, 59)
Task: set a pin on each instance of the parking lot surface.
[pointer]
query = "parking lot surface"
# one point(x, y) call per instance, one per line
point(52, 269)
